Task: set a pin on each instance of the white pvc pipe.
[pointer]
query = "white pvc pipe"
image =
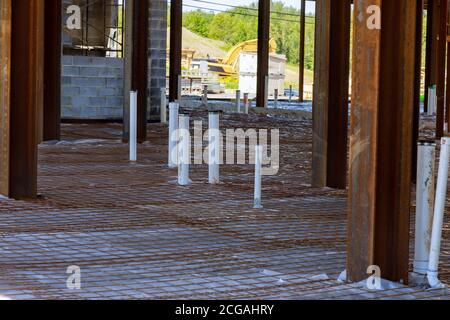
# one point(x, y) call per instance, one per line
point(184, 148)
point(290, 93)
point(429, 111)
point(205, 96)
point(173, 139)
point(424, 205)
point(163, 106)
point(133, 126)
point(432, 101)
point(258, 172)
point(246, 102)
point(438, 219)
point(180, 88)
point(214, 147)
point(238, 101)
point(266, 92)
point(435, 100)
point(275, 99)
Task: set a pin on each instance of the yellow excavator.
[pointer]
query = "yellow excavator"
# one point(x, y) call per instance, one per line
point(228, 66)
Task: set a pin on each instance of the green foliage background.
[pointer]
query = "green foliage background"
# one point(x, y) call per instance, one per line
point(238, 24)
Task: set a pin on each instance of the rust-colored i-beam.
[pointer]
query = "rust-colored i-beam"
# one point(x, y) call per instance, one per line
point(430, 53)
point(5, 110)
point(26, 82)
point(52, 71)
point(331, 93)
point(417, 85)
point(441, 67)
point(447, 99)
point(381, 137)
point(176, 42)
point(263, 53)
point(448, 63)
point(139, 79)
point(301, 71)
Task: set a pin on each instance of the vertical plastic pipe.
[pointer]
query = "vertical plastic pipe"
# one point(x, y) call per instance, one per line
point(430, 101)
point(163, 106)
point(205, 96)
point(184, 155)
point(180, 88)
point(438, 219)
point(133, 126)
point(290, 93)
point(173, 138)
point(238, 101)
point(275, 99)
point(258, 171)
point(434, 100)
point(424, 205)
point(266, 92)
point(214, 147)
point(246, 102)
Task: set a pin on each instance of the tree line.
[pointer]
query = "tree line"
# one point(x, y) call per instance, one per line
point(241, 24)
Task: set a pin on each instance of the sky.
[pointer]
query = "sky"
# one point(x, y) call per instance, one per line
point(293, 3)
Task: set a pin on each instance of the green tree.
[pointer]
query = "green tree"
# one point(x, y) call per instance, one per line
point(241, 24)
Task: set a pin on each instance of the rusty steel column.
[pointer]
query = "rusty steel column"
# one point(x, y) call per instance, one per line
point(139, 78)
point(441, 67)
point(176, 45)
point(263, 52)
point(417, 86)
point(301, 71)
point(331, 96)
point(5, 110)
point(429, 51)
point(52, 70)
point(26, 81)
point(448, 64)
point(128, 67)
point(447, 99)
point(380, 143)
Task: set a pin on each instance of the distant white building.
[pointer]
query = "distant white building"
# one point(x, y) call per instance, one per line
point(248, 65)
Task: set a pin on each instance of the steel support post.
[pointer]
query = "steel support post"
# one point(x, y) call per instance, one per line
point(176, 32)
point(381, 138)
point(331, 96)
point(263, 53)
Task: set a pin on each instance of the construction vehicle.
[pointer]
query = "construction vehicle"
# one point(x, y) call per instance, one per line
point(229, 65)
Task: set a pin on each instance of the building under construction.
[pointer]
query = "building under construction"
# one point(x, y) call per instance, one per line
point(361, 188)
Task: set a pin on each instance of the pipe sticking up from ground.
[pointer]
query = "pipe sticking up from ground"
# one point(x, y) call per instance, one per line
point(246, 103)
point(258, 177)
point(275, 99)
point(432, 100)
point(180, 88)
point(205, 96)
point(184, 155)
point(438, 219)
point(173, 138)
point(238, 101)
point(266, 92)
point(133, 126)
point(163, 106)
point(214, 147)
point(424, 205)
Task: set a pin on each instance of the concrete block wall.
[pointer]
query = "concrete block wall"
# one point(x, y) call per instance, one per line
point(92, 88)
point(157, 55)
